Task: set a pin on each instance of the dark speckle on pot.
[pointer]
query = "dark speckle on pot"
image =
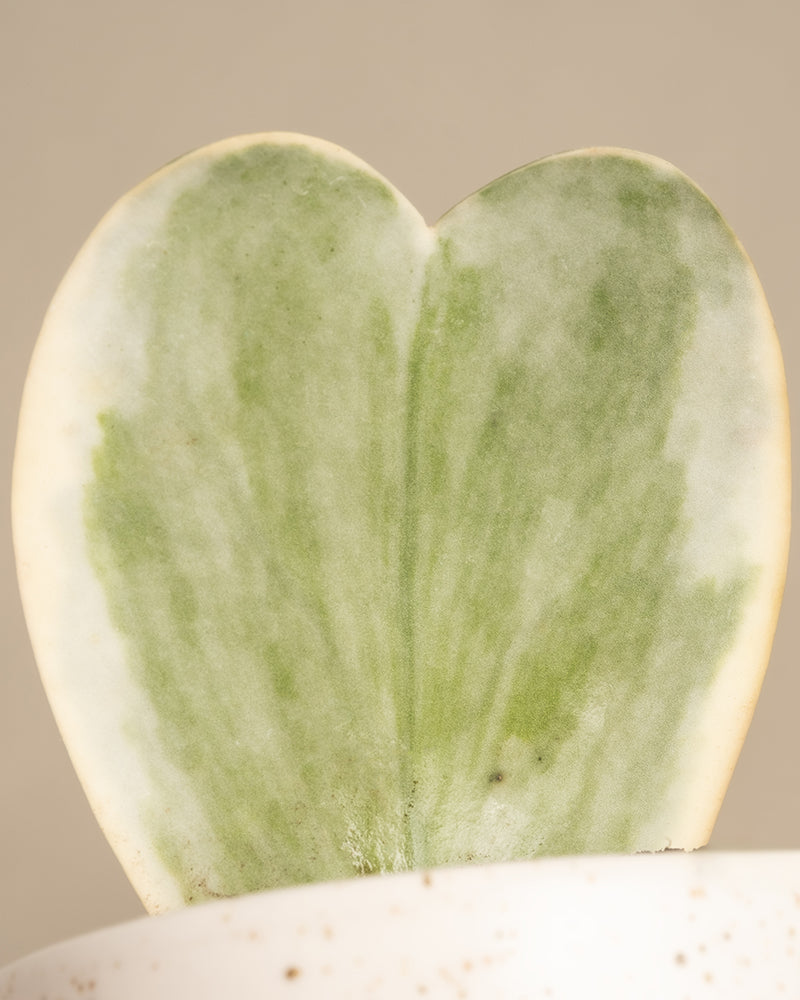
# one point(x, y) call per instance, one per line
point(82, 985)
point(292, 972)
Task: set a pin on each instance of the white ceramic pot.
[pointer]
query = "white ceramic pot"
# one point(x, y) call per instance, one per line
point(707, 925)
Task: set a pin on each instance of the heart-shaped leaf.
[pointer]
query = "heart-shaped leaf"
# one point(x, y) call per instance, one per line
point(349, 545)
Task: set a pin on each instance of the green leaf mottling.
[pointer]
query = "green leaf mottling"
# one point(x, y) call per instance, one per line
point(403, 570)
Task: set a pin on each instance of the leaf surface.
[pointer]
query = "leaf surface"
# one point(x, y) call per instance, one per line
point(352, 545)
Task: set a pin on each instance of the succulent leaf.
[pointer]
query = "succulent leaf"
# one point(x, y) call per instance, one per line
point(349, 545)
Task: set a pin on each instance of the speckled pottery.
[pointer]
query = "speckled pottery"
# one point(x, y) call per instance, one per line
point(674, 926)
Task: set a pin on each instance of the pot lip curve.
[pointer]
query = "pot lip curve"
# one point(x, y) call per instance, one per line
point(744, 873)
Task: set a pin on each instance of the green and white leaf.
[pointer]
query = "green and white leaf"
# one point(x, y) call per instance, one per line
point(352, 545)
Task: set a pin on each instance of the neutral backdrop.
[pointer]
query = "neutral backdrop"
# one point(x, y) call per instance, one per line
point(441, 96)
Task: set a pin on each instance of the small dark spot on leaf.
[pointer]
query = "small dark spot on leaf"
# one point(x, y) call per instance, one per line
point(496, 777)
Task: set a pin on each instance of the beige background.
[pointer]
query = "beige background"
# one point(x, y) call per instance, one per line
point(441, 96)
